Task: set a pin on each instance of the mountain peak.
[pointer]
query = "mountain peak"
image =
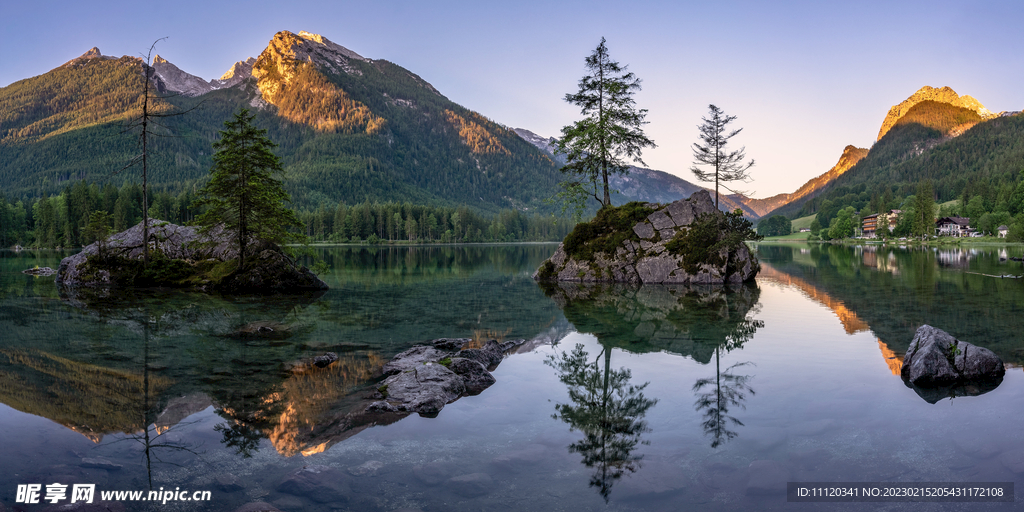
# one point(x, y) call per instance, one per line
point(928, 93)
point(174, 79)
point(241, 70)
point(317, 38)
point(93, 53)
point(286, 52)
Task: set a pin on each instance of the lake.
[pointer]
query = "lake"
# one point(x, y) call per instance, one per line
point(621, 398)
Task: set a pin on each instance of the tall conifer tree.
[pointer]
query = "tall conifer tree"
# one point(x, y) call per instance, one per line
point(724, 165)
point(608, 136)
point(243, 194)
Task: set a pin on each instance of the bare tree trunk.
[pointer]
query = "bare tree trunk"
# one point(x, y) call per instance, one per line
point(145, 195)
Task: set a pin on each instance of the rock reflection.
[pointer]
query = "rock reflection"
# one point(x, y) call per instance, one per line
point(686, 320)
point(607, 409)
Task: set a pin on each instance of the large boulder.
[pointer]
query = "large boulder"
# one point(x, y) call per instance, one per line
point(181, 256)
point(937, 366)
point(426, 377)
point(426, 389)
point(642, 253)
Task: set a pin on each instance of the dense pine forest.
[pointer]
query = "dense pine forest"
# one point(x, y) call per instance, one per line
point(61, 220)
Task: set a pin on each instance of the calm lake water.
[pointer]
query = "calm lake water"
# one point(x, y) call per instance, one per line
point(651, 398)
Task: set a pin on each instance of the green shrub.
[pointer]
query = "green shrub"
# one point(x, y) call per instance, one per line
point(606, 232)
point(707, 236)
point(546, 271)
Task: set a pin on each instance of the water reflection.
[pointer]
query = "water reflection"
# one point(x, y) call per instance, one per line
point(136, 364)
point(696, 321)
point(607, 409)
point(686, 320)
point(154, 440)
point(726, 390)
point(893, 291)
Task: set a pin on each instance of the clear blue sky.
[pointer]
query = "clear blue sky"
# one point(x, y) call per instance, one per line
point(804, 78)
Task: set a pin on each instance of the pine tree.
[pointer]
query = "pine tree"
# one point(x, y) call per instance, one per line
point(609, 134)
point(243, 194)
point(924, 209)
point(725, 165)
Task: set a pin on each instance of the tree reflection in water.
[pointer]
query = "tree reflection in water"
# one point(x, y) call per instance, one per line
point(152, 438)
point(729, 390)
point(695, 321)
point(241, 436)
point(607, 409)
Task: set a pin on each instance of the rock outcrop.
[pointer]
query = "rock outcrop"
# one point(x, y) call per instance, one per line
point(182, 257)
point(280, 62)
point(938, 366)
point(173, 78)
point(425, 378)
point(645, 254)
point(294, 68)
point(238, 72)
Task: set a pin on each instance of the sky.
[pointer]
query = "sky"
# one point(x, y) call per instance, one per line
point(804, 79)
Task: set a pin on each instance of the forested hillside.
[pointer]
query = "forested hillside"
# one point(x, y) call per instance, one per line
point(369, 130)
point(950, 146)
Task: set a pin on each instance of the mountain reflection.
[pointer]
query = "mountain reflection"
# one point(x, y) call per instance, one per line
point(607, 409)
point(892, 291)
point(143, 370)
point(307, 413)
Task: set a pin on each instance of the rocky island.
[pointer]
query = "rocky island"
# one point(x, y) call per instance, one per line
point(181, 257)
point(688, 241)
point(426, 377)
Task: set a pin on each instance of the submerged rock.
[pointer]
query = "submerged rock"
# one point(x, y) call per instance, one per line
point(471, 485)
point(938, 366)
point(182, 257)
point(368, 468)
point(262, 329)
point(45, 271)
point(322, 484)
point(228, 482)
point(603, 250)
point(324, 360)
